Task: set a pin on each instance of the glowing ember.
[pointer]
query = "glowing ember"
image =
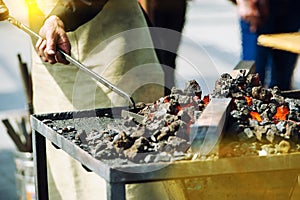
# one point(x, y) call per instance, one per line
point(282, 112)
point(178, 108)
point(256, 116)
point(249, 100)
point(166, 99)
point(206, 99)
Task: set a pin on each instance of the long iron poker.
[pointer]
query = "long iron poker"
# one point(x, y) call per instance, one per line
point(91, 73)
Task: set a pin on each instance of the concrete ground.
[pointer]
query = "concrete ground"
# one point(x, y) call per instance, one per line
point(210, 46)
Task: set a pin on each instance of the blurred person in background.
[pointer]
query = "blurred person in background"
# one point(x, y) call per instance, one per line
point(168, 14)
point(257, 17)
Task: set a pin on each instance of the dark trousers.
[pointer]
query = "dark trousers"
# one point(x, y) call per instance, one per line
point(275, 67)
point(170, 16)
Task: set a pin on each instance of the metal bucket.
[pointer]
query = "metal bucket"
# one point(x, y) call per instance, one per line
point(25, 175)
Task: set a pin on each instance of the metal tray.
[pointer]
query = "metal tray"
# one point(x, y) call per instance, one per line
point(156, 171)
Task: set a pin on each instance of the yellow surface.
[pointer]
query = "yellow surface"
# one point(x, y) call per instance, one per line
point(283, 41)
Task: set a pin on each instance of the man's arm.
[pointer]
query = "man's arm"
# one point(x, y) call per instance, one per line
point(66, 16)
point(77, 12)
point(253, 11)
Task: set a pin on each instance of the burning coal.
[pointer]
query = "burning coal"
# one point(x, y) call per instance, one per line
point(163, 134)
point(259, 114)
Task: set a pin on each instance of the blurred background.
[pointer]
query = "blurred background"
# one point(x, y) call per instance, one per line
point(211, 38)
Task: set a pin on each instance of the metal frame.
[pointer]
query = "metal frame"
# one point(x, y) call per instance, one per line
point(117, 177)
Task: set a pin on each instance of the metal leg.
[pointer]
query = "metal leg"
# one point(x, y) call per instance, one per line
point(295, 190)
point(115, 191)
point(40, 165)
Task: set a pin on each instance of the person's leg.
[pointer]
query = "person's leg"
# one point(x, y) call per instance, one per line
point(287, 18)
point(252, 51)
point(263, 64)
point(167, 14)
point(248, 40)
point(173, 18)
point(282, 69)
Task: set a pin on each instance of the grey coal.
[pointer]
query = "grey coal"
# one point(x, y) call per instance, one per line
point(162, 136)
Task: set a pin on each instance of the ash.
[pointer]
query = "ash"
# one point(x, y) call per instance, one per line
point(262, 121)
point(162, 136)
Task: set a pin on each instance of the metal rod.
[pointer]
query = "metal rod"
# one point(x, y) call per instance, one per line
point(91, 73)
point(27, 83)
point(14, 136)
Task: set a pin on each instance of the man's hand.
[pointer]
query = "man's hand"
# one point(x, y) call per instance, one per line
point(253, 11)
point(54, 37)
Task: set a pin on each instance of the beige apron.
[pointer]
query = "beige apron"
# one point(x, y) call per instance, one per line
point(116, 45)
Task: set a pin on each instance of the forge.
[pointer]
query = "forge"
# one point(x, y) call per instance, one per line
point(152, 133)
point(241, 128)
point(261, 121)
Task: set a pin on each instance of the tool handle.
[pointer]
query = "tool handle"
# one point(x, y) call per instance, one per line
point(97, 77)
point(91, 73)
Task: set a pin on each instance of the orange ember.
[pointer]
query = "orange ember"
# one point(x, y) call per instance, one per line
point(256, 116)
point(178, 108)
point(206, 99)
point(166, 99)
point(249, 100)
point(282, 112)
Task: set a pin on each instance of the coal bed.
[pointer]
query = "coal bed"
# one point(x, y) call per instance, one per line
point(155, 133)
point(255, 130)
point(261, 121)
point(106, 139)
point(257, 124)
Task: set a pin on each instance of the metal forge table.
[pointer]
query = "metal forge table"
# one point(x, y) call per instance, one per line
point(117, 176)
